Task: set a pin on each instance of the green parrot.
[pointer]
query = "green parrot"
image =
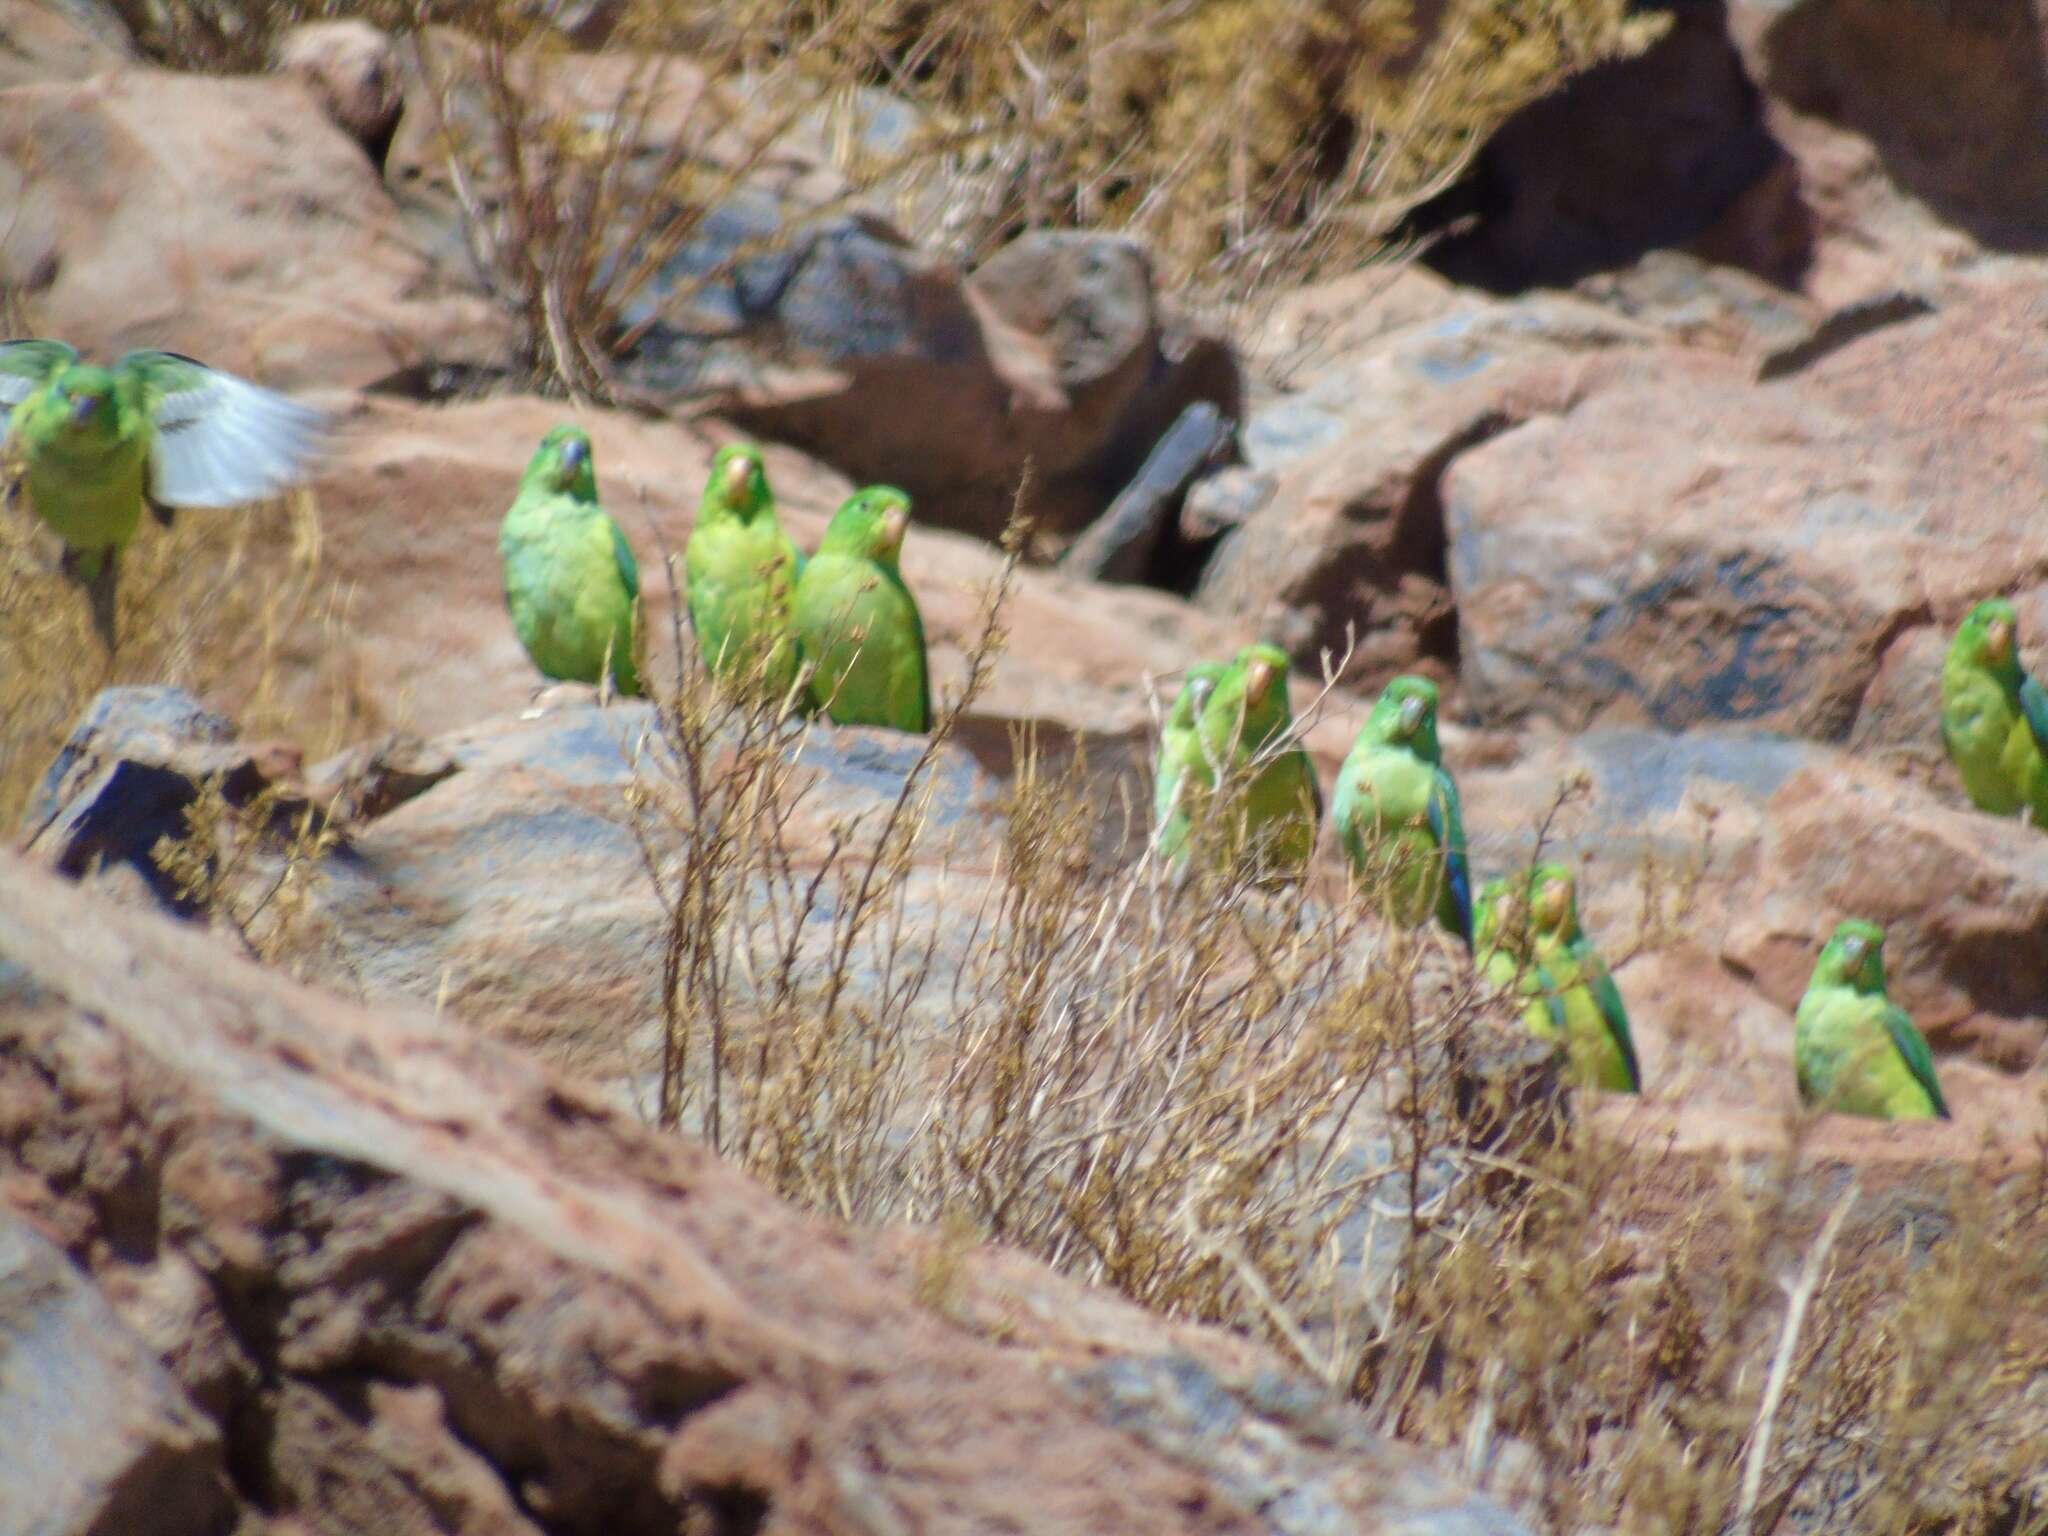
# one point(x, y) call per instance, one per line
point(1577, 999)
point(1180, 755)
point(91, 445)
point(571, 584)
point(742, 572)
point(1397, 811)
point(1855, 1050)
point(1244, 731)
point(857, 624)
point(1500, 933)
point(1994, 718)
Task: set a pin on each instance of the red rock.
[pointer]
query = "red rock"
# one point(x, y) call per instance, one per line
point(356, 72)
point(100, 1437)
point(1685, 547)
point(227, 219)
point(463, 1290)
point(67, 40)
point(413, 502)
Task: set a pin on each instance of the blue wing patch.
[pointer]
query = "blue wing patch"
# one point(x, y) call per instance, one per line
point(1457, 873)
point(2034, 705)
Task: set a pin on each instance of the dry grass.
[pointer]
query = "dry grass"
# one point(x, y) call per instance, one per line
point(1248, 142)
point(209, 605)
point(1256, 1108)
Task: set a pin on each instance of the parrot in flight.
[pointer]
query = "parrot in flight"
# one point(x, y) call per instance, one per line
point(741, 569)
point(571, 583)
point(1854, 1049)
point(1397, 811)
point(92, 445)
point(1994, 717)
point(857, 626)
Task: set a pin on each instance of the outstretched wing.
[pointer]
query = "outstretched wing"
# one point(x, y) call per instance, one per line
point(1447, 825)
point(25, 366)
point(1913, 1049)
point(220, 441)
point(1607, 997)
point(2034, 705)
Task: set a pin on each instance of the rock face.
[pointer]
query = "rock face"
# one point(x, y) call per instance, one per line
point(227, 219)
point(414, 498)
point(392, 1277)
point(795, 308)
point(98, 1435)
point(1686, 546)
point(1348, 531)
point(1629, 156)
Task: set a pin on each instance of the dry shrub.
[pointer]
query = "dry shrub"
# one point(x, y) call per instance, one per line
point(1257, 1108)
point(1249, 142)
point(210, 604)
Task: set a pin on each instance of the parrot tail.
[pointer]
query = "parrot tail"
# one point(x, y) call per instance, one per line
point(93, 569)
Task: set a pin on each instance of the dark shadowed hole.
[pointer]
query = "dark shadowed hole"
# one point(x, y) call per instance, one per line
point(736, 1510)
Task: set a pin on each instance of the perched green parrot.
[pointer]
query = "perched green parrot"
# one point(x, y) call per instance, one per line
point(1577, 999)
point(1270, 804)
point(1994, 718)
point(570, 581)
point(742, 573)
point(1397, 811)
point(91, 445)
point(1180, 755)
point(857, 624)
point(1500, 933)
point(1855, 1050)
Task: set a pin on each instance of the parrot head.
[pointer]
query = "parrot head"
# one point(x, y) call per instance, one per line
point(738, 485)
point(1248, 703)
point(1554, 901)
point(562, 464)
point(1193, 697)
point(1405, 715)
point(870, 523)
point(1854, 957)
point(1497, 917)
point(78, 403)
point(1988, 633)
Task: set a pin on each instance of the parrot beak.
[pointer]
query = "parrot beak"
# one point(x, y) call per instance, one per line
point(895, 524)
point(1258, 678)
point(1852, 952)
point(82, 408)
point(1997, 639)
point(1557, 900)
point(575, 454)
point(1201, 689)
point(737, 473)
point(1411, 716)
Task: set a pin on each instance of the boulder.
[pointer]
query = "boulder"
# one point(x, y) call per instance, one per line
point(67, 40)
point(1350, 537)
point(789, 303)
point(228, 219)
point(417, 1281)
point(357, 73)
point(96, 1436)
point(1952, 99)
point(1628, 155)
point(125, 776)
point(413, 498)
point(1686, 547)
